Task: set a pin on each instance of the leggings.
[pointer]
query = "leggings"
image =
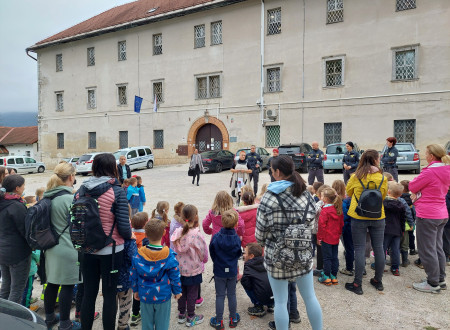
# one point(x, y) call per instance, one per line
point(65, 300)
point(305, 285)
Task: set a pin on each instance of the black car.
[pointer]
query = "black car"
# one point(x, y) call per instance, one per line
point(217, 160)
point(298, 152)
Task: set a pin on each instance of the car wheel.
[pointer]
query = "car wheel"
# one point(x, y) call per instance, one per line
point(84, 174)
point(326, 171)
point(149, 164)
point(218, 168)
point(41, 169)
point(417, 171)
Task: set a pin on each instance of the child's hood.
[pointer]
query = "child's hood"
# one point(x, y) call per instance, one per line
point(151, 262)
point(227, 238)
point(257, 263)
point(392, 204)
point(187, 241)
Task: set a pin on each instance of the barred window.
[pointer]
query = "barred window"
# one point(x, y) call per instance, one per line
point(334, 71)
point(123, 139)
point(60, 140)
point(157, 44)
point(332, 133)
point(273, 80)
point(91, 56)
point(405, 63)
point(199, 36)
point(274, 21)
point(216, 33)
point(405, 130)
point(158, 138)
point(214, 86)
point(208, 87)
point(92, 143)
point(91, 99)
point(122, 48)
point(158, 92)
point(122, 94)
point(59, 101)
point(335, 11)
point(202, 91)
point(59, 63)
point(272, 136)
point(405, 5)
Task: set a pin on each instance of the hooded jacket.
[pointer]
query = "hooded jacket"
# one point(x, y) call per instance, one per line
point(216, 221)
point(330, 225)
point(248, 215)
point(155, 275)
point(130, 250)
point(433, 183)
point(225, 250)
point(176, 222)
point(395, 217)
point(255, 279)
point(192, 251)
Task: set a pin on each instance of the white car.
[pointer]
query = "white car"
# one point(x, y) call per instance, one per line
point(84, 163)
point(71, 160)
point(22, 164)
point(137, 157)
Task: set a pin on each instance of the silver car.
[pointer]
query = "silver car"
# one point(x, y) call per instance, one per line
point(408, 157)
point(22, 164)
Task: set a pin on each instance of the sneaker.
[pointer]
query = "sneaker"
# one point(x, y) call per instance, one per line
point(295, 317)
point(426, 287)
point(96, 315)
point(196, 319)
point(372, 266)
point(334, 280)
point(181, 318)
point(135, 319)
point(218, 325)
point(272, 325)
point(443, 285)
point(316, 272)
point(395, 272)
point(75, 326)
point(33, 300)
point(364, 273)
point(447, 260)
point(52, 323)
point(324, 279)
point(234, 322)
point(199, 302)
point(345, 271)
point(377, 284)
point(353, 287)
point(418, 263)
point(412, 252)
point(34, 308)
point(270, 309)
point(256, 310)
point(77, 317)
point(406, 263)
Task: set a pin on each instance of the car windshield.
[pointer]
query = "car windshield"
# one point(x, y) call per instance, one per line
point(404, 147)
point(208, 154)
point(246, 151)
point(336, 149)
point(119, 153)
point(85, 158)
point(288, 150)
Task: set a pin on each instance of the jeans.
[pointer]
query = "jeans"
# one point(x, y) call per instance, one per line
point(305, 285)
point(255, 177)
point(292, 299)
point(155, 316)
point(14, 279)
point(348, 245)
point(252, 296)
point(330, 259)
point(392, 242)
point(187, 300)
point(359, 233)
point(225, 286)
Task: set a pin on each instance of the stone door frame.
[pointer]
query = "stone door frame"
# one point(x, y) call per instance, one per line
point(201, 122)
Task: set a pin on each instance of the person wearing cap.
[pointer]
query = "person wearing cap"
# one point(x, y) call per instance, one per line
point(389, 157)
point(315, 164)
point(275, 153)
point(350, 161)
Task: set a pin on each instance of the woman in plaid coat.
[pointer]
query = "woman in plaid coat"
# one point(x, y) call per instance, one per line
point(271, 224)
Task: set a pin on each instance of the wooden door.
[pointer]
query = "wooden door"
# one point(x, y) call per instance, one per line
point(208, 138)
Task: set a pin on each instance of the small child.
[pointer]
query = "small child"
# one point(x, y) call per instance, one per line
point(388, 176)
point(27, 293)
point(177, 221)
point(331, 221)
point(255, 280)
point(248, 214)
point(192, 254)
point(30, 200)
point(142, 198)
point(261, 193)
point(395, 224)
point(319, 259)
point(133, 196)
point(407, 197)
point(155, 276)
point(138, 222)
point(160, 213)
point(244, 189)
point(225, 250)
point(39, 193)
point(316, 185)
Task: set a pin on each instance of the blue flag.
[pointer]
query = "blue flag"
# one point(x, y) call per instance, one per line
point(137, 104)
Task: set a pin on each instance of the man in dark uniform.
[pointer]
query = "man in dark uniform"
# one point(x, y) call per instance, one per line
point(123, 169)
point(350, 161)
point(254, 161)
point(389, 158)
point(315, 165)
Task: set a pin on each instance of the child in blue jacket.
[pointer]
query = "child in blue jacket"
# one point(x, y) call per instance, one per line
point(225, 250)
point(133, 196)
point(142, 199)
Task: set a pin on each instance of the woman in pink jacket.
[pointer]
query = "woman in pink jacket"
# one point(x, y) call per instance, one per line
point(428, 194)
point(248, 214)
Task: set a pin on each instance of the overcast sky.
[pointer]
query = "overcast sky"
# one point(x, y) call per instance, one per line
point(22, 24)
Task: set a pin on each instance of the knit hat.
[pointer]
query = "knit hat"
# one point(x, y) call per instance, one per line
point(350, 144)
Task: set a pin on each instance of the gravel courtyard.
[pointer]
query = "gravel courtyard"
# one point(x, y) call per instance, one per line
point(398, 306)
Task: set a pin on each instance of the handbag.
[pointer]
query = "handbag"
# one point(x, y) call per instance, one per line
point(191, 172)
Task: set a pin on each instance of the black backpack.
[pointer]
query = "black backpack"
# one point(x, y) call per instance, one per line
point(370, 202)
point(39, 230)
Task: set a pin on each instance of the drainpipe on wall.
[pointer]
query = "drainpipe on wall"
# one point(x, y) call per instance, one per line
point(303, 65)
point(261, 99)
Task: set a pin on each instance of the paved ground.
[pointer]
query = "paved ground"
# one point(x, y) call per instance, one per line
point(399, 306)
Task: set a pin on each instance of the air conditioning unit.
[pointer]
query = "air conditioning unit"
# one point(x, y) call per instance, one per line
point(271, 114)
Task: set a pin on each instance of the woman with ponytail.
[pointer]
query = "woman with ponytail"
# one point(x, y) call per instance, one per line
point(271, 224)
point(192, 255)
point(331, 222)
point(160, 213)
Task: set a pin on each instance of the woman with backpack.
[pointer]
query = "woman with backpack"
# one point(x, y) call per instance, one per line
point(102, 261)
point(15, 254)
point(367, 175)
point(288, 204)
point(61, 261)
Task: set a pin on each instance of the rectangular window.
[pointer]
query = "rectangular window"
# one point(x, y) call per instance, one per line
point(28, 153)
point(274, 21)
point(405, 4)
point(272, 136)
point(335, 11)
point(214, 86)
point(332, 133)
point(91, 99)
point(209, 86)
point(157, 44)
point(158, 92)
point(199, 36)
point(92, 144)
point(59, 101)
point(333, 69)
point(59, 63)
point(273, 80)
point(122, 48)
point(122, 94)
point(91, 56)
point(405, 130)
point(405, 62)
point(158, 138)
point(202, 90)
point(60, 140)
point(123, 139)
point(216, 33)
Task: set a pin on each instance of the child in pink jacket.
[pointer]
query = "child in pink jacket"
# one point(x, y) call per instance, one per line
point(192, 254)
point(248, 214)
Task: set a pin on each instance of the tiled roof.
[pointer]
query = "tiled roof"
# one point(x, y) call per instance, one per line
point(16, 135)
point(129, 15)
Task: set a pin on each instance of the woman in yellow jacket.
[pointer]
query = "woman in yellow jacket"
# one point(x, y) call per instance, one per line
point(368, 170)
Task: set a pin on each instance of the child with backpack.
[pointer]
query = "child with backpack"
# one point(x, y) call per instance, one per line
point(155, 276)
point(133, 196)
point(331, 221)
point(142, 197)
point(192, 255)
point(160, 213)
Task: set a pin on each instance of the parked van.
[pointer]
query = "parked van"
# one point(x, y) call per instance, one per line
point(137, 157)
point(84, 163)
point(22, 164)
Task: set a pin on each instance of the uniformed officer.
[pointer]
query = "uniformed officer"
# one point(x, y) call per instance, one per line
point(254, 161)
point(389, 157)
point(350, 161)
point(315, 163)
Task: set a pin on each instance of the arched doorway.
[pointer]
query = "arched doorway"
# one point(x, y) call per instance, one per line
point(213, 128)
point(208, 138)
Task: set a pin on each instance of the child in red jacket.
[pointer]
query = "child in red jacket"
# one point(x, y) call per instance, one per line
point(331, 221)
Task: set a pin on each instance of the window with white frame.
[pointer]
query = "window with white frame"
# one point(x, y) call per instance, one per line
point(272, 136)
point(59, 62)
point(92, 143)
point(274, 21)
point(273, 80)
point(216, 33)
point(332, 133)
point(91, 98)
point(335, 11)
point(91, 56)
point(158, 91)
point(122, 94)
point(405, 62)
point(122, 50)
point(333, 71)
point(158, 138)
point(405, 130)
point(60, 140)
point(405, 5)
point(157, 44)
point(208, 86)
point(199, 36)
point(59, 101)
point(123, 139)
